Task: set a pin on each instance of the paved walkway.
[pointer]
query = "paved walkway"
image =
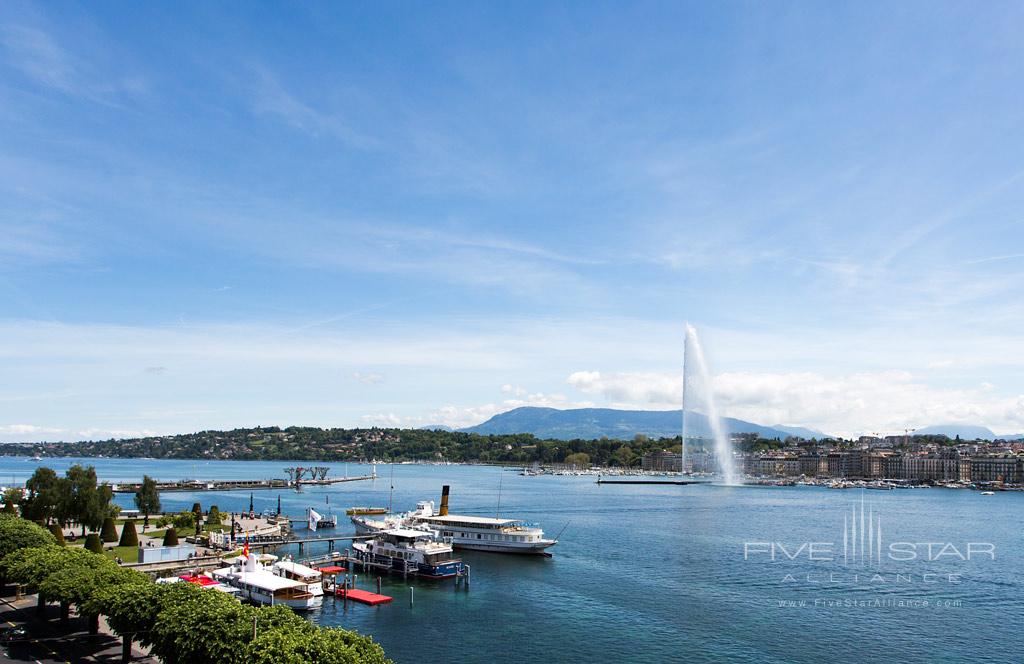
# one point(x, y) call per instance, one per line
point(49, 641)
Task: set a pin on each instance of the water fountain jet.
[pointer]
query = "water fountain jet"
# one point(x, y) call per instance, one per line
point(695, 371)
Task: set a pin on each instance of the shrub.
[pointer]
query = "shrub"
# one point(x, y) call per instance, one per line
point(93, 543)
point(214, 517)
point(184, 520)
point(57, 532)
point(171, 537)
point(17, 533)
point(109, 531)
point(129, 536)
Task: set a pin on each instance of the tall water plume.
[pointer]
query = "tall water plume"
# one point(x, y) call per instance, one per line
point(697, 389)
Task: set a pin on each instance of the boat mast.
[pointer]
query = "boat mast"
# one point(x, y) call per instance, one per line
point(392, 494)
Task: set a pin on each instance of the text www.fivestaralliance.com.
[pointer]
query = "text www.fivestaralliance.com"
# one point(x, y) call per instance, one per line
point(875, 603)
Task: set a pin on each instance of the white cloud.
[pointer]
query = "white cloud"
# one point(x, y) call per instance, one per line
point(850, 404)
point(368, 378)
point(648, 389)
point(27, 429)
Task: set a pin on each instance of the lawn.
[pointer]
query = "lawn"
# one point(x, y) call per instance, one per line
point(129, 554)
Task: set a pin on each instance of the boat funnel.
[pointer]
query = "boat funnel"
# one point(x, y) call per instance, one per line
point(444, 501)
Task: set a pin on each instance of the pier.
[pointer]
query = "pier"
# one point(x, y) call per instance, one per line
point(677, 482)
point(232, 485)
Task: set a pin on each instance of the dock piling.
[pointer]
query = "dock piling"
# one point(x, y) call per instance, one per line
point(412, 595)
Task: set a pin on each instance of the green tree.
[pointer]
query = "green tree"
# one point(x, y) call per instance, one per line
point(579, 459)
point(109, 530)
point(171, 537)
point(93, 543)
point(131, 610)
point(17, 533)
point(202, 626)
point(58, 533)
point(129, 536)
point(213, 518)
point(623, 456)
point(71, 584)
point(82, 499)
point(42, 495)
point(147, 499)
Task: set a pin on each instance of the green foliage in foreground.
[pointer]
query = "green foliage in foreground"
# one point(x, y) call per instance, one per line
point(181, 622)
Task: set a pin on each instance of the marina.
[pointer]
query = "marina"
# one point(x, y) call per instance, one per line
point(579, 601)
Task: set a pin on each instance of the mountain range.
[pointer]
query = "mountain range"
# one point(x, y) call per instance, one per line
point(590, 423)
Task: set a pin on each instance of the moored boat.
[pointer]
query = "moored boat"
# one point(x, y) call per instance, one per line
point(260, 585)
point(410, 551)
point(478, 533)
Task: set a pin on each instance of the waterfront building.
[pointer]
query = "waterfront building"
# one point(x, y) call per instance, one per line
point(663, 461)
point(1007, 469)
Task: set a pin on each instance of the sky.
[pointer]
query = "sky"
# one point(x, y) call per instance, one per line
point(217, 215)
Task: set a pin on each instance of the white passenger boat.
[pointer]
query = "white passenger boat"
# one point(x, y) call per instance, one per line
point(418, 551)
point(260, 585)
point(313, 579)
point(477, 533)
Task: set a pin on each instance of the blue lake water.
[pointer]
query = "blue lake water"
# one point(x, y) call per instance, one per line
point(669, 573)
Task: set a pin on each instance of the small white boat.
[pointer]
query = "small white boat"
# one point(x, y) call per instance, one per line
point(988, 493)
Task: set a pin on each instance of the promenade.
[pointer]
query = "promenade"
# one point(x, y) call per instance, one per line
point(47, 640)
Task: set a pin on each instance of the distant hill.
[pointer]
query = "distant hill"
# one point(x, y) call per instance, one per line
point(965, 431)
point(590, 423)
point(436, 427)
point(802, 432)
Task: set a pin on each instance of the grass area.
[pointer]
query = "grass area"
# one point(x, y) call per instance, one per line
point(159, 534)
point(129, 554)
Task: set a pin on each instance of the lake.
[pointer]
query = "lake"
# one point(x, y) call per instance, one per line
point(695, 573)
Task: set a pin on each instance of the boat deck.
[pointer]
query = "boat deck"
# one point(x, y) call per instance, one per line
point(363, 596)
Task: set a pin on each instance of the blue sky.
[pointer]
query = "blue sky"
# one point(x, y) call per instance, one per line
point(339, 215)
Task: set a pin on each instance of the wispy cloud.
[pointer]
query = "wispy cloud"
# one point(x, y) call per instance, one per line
point(38, 55)
point(272, 99)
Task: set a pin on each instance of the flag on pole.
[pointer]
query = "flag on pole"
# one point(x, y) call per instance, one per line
point(245, 549)
point(314, 519)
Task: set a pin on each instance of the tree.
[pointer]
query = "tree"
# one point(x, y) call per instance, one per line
point(13, 496)
point(58, 533)
point(579, 459)
point(82, 499)
point(17, 533)
point(213, 518)
point(93, 543)
point(129, 536)
point(72, 584)
point(215, 628)
point(623, 456)
point(42, 494)
point(147, 499)
point(131, 610)
point(171, 537)
point(109, 531)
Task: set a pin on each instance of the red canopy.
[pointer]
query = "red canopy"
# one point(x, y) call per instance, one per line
point(332, 569)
